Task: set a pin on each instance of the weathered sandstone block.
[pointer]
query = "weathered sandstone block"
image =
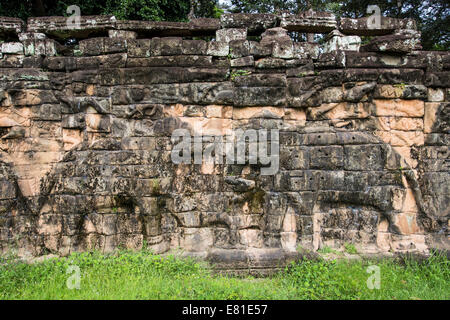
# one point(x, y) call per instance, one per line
point(309, 21)
point(227, 35)
point(337, 41)
point(368, 27)
point(252, 22)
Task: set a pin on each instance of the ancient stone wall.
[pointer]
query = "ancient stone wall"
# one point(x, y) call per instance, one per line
point(87, 114)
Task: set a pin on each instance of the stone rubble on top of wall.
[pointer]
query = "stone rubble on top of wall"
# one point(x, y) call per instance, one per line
point(400, 35)
point(309, 22)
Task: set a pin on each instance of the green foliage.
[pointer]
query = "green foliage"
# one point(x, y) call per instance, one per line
point(28, 8)
point(400, 85)
point(275, 6)
point(326, 250)
point(97, 270)
point(217, 12)
point(239, 73)
point(142, 275)
point(156, 186)
point(303, 74)
point(207, 8)
point(230, 55)
point(154, 10)
point(18, 9)
point(348, 279)
point(350, 248)
point(321, 280)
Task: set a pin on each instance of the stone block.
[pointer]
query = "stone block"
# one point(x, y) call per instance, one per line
point(436, 95)
point(231, 34)
point(252, 22)
point(259, 96)
point(431, 112)
point(194, 47)
point(306, 50)
point(309, 21)
point(240, 48)
point(139, 48)
point(400, 43)
point(169, 46)
point(122, 34)
point(283, 49)
point(363, 157)
point(243, 62)
point(92, 46)
point(326, 157)
point(12, 48)
point(218, 49)
point(115, 45)
point(337, 41)
point(399, 108)
point(367, 27)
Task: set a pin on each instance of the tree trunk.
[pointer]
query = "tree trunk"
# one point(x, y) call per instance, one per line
point(191, 14)
point(309, 36)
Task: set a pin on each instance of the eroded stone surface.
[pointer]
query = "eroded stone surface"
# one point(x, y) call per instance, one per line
point(309, 21)
point(85, 139)
point(369, 26)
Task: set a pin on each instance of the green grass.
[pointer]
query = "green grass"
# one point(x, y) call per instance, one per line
point(141, 275)
point(326, 250)
point(350, 248)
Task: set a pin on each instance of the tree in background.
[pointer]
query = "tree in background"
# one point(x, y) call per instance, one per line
point(36, 8)
point(275, 6)
point(433, 17)
point(154, 10)
point(204, 9)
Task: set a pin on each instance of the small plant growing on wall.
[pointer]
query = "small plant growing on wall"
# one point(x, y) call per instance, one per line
point(239, 73)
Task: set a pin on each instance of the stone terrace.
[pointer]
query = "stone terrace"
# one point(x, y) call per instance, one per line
point(86, 117)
